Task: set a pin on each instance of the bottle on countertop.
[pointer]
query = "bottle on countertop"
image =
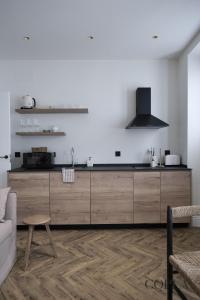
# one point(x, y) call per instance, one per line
point(154, 161)
point(153, 158)
point(90, 162)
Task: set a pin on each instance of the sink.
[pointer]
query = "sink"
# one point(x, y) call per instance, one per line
point(141, 167)
point(80, 167)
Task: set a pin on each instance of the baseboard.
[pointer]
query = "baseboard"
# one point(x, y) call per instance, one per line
point(104, 226)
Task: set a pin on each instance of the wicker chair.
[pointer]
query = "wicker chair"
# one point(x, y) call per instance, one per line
point(187, 264)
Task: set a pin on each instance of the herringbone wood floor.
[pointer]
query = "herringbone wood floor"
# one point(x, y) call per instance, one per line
point(96, 264)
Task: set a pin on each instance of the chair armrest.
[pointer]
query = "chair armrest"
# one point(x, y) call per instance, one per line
point(186, 211)
point(11, 208)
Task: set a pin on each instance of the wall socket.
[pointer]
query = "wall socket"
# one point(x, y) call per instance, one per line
point(117, 153)
point(17, 154)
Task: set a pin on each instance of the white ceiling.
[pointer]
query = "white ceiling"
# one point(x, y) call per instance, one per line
point(123, 29)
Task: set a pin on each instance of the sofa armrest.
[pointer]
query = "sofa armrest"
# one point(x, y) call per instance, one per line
point(11, 208)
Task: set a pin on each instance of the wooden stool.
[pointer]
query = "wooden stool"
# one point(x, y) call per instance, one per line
point(33, 221)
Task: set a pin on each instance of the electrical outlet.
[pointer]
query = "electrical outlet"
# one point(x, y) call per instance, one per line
point(117, 153)
point(17, 154)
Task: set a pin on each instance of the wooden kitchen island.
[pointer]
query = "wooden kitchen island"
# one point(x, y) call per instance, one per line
point(102, 195)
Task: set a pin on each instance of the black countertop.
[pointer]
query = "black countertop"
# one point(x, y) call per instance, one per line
point(107, 167)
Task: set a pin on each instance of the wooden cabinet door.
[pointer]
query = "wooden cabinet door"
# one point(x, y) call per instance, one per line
point(175, 191)
point(70, 202)
point(111, 197)
point(147, 197)
point(32, 191)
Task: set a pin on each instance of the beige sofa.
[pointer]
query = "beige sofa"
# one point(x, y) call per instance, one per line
point(8, 238)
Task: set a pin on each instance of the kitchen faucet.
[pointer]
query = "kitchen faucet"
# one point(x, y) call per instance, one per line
point(72, 155)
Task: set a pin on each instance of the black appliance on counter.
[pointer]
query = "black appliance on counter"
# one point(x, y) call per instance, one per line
point(38, 160)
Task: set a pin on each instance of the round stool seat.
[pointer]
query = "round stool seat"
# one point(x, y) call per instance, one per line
point(36, 220)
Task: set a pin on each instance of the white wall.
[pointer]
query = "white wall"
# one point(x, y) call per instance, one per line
point(107, 88)
point(183, 95)
point(193, 122)
point(183, 106)
point(188, 77)
point(193, 126)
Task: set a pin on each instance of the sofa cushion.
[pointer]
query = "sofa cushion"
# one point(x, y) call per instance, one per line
point(5, 230)
point(3, 199)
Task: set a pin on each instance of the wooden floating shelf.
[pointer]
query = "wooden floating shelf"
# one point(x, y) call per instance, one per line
point(51, 110)
point(41, 133)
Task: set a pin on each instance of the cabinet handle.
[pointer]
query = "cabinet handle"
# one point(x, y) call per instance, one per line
point(5, 156)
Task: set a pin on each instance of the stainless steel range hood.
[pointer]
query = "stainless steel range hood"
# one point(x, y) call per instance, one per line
point(144, 118)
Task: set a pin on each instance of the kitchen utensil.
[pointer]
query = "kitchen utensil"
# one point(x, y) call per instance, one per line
point(172, 160)
point(54, 128)
point(154, 161)
point(154, 164)
point(155, 158)
point(28, 102)
point(90, 162)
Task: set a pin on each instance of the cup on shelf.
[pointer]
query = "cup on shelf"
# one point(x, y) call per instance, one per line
point(36, 125)
point(29, 125)
point(54, 128)
point(22, 125)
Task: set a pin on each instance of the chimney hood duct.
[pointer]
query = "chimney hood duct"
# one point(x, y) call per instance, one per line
point(144, 118)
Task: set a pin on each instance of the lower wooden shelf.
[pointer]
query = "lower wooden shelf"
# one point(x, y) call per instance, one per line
point(41, 133)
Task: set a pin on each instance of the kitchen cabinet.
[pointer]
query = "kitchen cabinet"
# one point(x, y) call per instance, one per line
point(146, 197)
point(70, 202)
point(175, 191)
point(111, 197)
point(32, 190)
point(101, 197)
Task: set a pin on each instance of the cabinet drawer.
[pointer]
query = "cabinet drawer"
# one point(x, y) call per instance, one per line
point(111, 197)
point(70, 202)
point(32, 191)
point(147, 197)
point(175, 191)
